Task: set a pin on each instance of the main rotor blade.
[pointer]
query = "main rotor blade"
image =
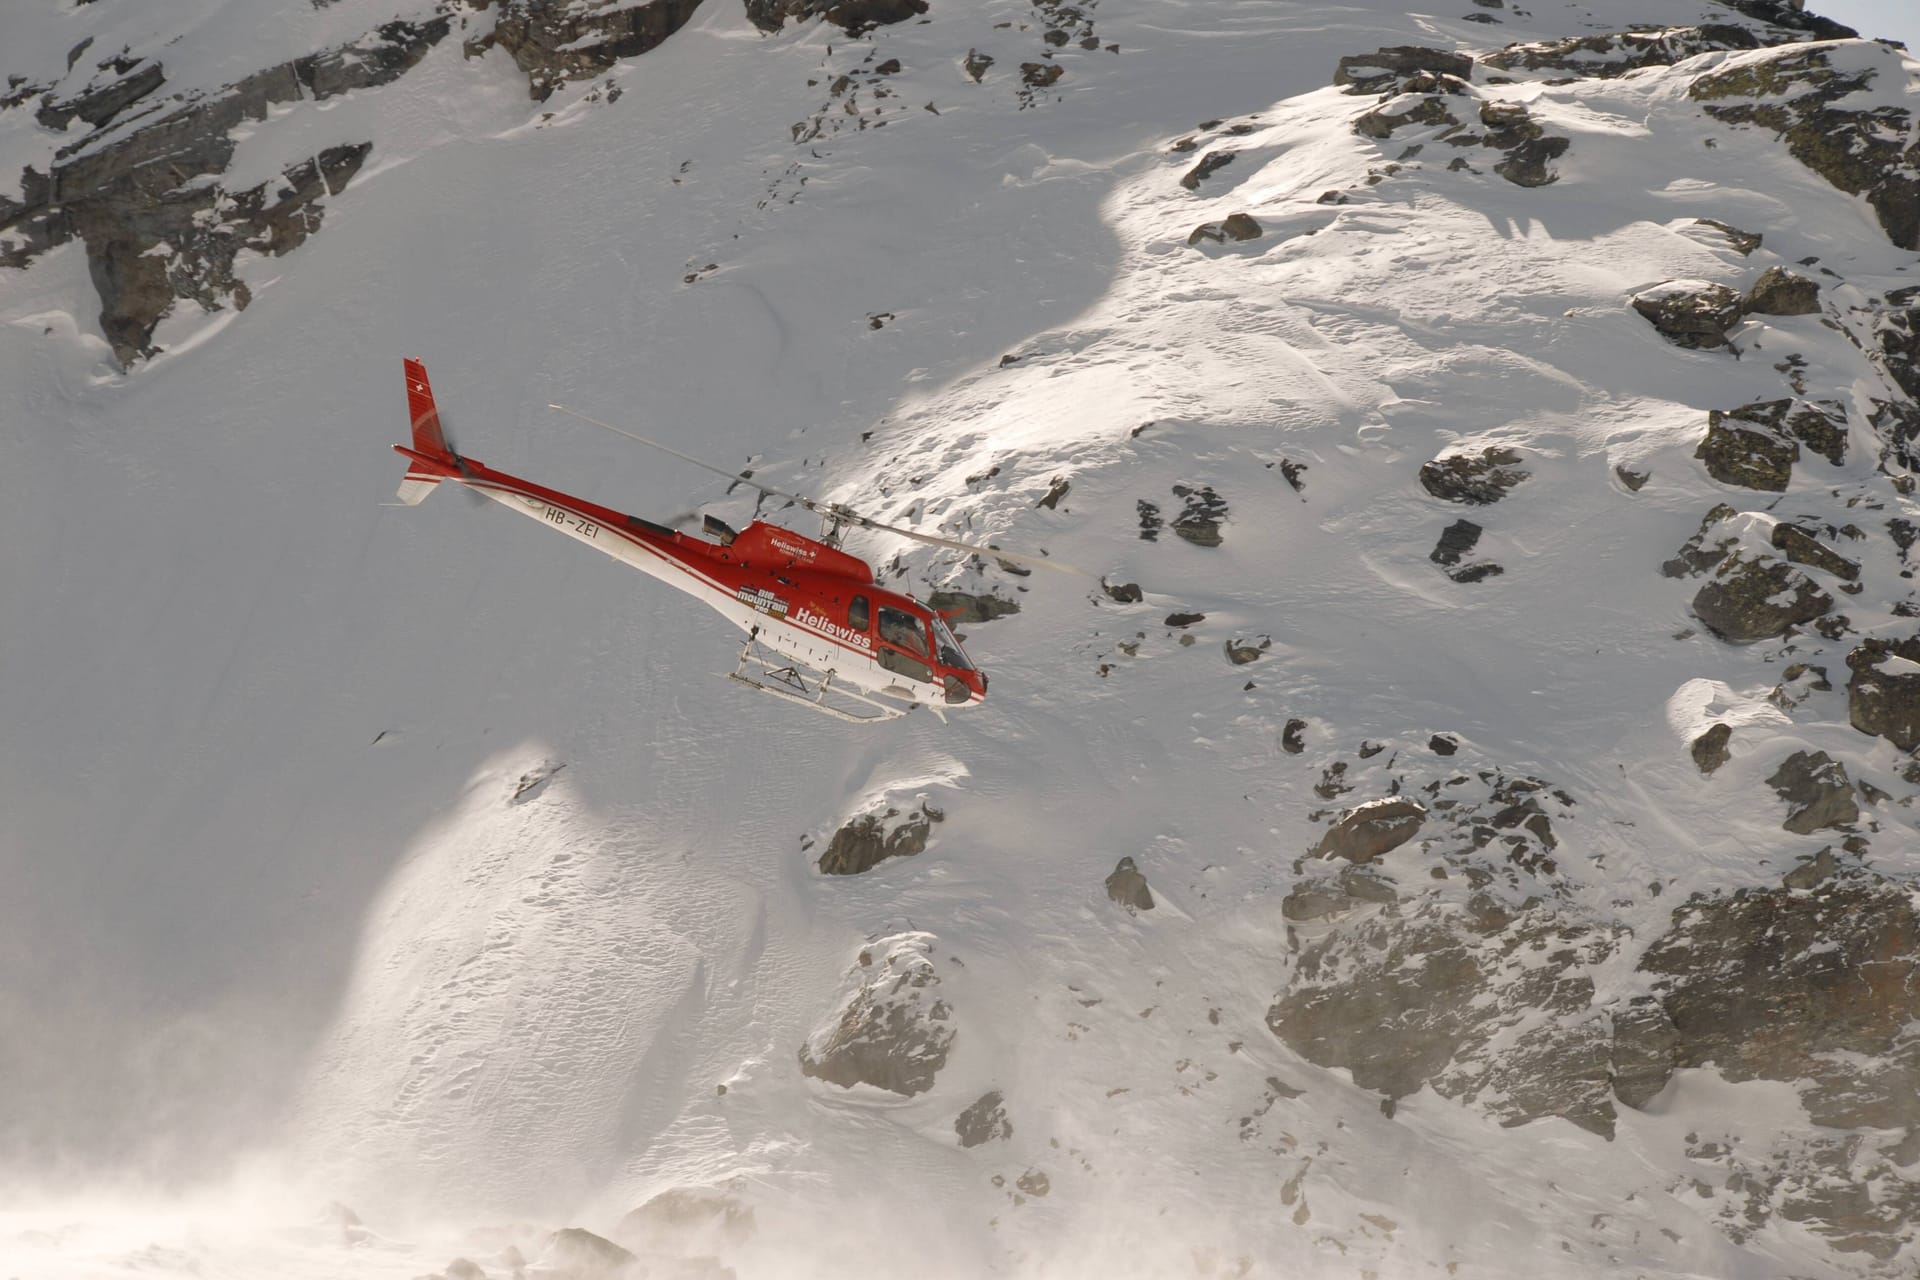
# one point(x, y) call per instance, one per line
point(831, 510)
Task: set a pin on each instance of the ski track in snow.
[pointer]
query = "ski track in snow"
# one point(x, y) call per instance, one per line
point(280, 921)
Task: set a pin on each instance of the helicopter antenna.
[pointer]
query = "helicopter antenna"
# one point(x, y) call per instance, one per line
point(837, 514)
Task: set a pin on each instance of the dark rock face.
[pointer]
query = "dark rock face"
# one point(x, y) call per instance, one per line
point(1427, 111)
point(555, 41)
point(1779, 292)
point(1614, 54)
point(1374, 72)
point(1457, 540)
point(1529, 148)
point(1710, 748)
point(1750, 446)
point(983, 1122)
point(1210, 164)
point(1368, 830)
point(1751, 598)
point(1200, 520)
point(1236, 226)
point(1293, 737)
point(1690, 313)
point(1742, 242)
point(959, 606)
point(1403, 1002)
point(1698, 555)
point(1883, 693)
point(1799, 94)
point(1802, 547)
point(1324, 900)
point(154, 180)
point(855, 17)
point(976, 64)
point(1127, 887)
point(893, 1030)
point(872, 838)
point(1475, 481)
point(1817, 791)
point(1123, 592)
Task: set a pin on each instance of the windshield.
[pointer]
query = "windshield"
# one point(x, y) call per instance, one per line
point(951, 654)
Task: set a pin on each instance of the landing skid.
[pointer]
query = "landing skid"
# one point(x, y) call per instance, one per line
point(795, 683)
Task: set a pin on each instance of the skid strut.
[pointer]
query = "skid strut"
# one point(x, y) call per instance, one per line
point(791, 681)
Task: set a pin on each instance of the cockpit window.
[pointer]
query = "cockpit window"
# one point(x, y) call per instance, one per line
point(903, 629)
point(951, 654)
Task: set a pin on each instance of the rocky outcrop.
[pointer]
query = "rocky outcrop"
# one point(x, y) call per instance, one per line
point(1817, 791)
point(1236, 226)
point(1805, 94)
point(1741, 242)
point(872, 837)
point(1368, 830)
point(1801, 547)
point(1528, 147)
point(964, 607)
point(983, 1122)
point(1883, 692)
point(1423, 110)
point(1703, 552)
point(855, 17)
point(1210, 164)
point(1709, 750)
point(1202, 515)
point(557, 41)
point(1780, 292)
point(1752, 597)
point(1475, 480)
point(1128, 888)
point(1457, 541)
point(143, 192)
point(892, 1029)
point(1690, 313)
point(1612, 54)
point(1750, 447)
point(1376, 71)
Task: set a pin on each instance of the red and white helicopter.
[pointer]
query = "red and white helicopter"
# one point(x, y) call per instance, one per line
point(820, 630)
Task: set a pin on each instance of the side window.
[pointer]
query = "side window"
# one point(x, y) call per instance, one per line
point(857, 616)
point(904, 630)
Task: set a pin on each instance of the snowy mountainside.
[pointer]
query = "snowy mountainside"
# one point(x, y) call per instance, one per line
point(413, 861)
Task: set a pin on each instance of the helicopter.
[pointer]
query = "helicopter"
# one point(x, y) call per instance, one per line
point(821, 631)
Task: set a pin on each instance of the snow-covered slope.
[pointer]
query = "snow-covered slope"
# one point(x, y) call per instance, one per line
point(412, 860)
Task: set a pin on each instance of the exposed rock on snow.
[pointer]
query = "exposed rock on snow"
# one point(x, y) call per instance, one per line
point(143, 193)
point(1508, 127)
point(881, 833)
point(1128, 887)
point(1780, 292)
point(983, 1122)
point(1200, 520)
point(1742, 242)
point(1427, 110)
point(1883, 693)
point(1373, 72)
point(1802, 547)
point(1867, 150)
point(961, 606)
point(1753, 598)
point(1613, 54)
point(1236, 226)
point(557, 41)
point(1368, 830)
point(855, 17)
point(1698, 555)
point(1750, 447)
point(1690, 313)
point(892, 1030)
point(975, 64)
point(574, 1253)
point(1457, 540)
point(686, 1220)
point(1710, 748)
point(1473, 480)
point(1210, 164)
point(1817, 791)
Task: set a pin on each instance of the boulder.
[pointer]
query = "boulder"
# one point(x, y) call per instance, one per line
point(891, 1029)
point(1710, 748)
point(985, 1121)
point(1645, 1051)
point(1210, 164)
point(960, 606)
point(1883, 693)
point(1368, 830)
point(1817, 791)
point(1373, 72)
point(1751, 598)
point(1821, 428)
point(1741, 242)
point(1199, 521)
point(975, 64)
point(1293, 737)
point(1802, 547)
point(1427, 110)
point(1236, 226)
point(873, 837)
point(1779, 292)
point(1474, 479)
point(1812, 873)
point(1690, 313)
point(1698, 555)
point(1127, 887)
point(1833, 121)
point(1749, 447)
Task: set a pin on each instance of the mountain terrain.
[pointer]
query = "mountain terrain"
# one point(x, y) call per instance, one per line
point(1462, 824)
